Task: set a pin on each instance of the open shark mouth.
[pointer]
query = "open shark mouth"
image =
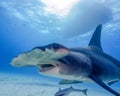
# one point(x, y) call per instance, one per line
point(46, 67)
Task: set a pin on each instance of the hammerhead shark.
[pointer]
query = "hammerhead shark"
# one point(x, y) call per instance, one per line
point(74, 65)
point(67, 91)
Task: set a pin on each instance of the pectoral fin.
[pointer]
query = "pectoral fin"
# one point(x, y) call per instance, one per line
point(98, 81)
point(69, 82)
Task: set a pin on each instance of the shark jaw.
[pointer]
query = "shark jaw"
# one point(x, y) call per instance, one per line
point(46, 67)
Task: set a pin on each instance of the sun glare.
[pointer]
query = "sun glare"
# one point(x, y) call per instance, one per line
point(59, 7)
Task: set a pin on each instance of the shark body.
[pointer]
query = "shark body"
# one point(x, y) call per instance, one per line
point(74, 65)
point(67, 91)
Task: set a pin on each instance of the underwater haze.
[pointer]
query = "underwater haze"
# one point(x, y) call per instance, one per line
point(25, 24)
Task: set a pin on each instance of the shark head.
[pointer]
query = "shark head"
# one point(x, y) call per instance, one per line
point(52, 60)
point(46, 58)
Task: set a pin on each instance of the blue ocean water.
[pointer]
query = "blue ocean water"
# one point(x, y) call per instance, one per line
point(25, 24)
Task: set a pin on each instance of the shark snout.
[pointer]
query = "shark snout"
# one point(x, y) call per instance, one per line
point(19, 61)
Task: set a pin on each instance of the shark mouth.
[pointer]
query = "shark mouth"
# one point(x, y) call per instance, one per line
point(45, 67)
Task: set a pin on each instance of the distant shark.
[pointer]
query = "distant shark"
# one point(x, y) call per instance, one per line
point(74, 65)
point(67, 91)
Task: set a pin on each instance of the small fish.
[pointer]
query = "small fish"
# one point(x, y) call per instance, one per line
point(67, 91)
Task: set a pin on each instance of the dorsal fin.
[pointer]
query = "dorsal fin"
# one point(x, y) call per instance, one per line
point(96, 38)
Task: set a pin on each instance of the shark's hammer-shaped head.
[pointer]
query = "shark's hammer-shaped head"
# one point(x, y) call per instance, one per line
point(54, 60)
point(46, 58)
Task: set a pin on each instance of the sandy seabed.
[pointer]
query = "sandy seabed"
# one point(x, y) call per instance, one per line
point(20, 85)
